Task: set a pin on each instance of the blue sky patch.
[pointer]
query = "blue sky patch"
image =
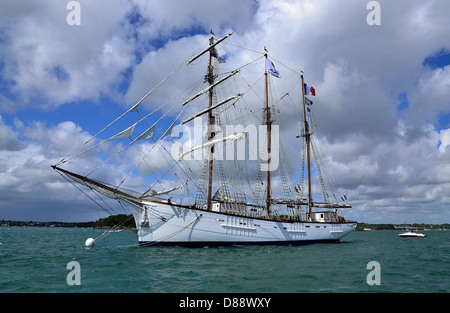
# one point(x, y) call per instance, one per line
point(438, 60)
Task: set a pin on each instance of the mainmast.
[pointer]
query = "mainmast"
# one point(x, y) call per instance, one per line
point(211, 121)
point(307, 135)
point(269, 130)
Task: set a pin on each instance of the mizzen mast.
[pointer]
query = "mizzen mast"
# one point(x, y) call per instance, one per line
point(269, 130)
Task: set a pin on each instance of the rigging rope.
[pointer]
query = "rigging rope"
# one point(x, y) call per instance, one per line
point(165, 133)
point(166, 237)
point(70, 181)
point(238, 174)
point(109, 231)
point(134, 107)
point(174, 233)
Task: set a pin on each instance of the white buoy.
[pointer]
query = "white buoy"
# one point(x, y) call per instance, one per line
point(89, 242)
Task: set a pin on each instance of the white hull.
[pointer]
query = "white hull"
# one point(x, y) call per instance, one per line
point(169, 224)
point(412, 235)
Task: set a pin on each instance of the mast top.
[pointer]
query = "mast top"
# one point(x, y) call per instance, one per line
point(211, 45)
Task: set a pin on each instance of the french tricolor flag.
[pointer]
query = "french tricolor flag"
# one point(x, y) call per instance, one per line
point(309, 90)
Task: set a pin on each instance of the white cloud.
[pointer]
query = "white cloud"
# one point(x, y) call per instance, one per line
point(29, 187)
point(430, 97)
point(51, 63)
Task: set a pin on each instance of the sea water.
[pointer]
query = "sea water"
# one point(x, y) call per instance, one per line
point(35, 260)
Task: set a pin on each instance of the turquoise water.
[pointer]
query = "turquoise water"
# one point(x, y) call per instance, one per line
point(34, 259)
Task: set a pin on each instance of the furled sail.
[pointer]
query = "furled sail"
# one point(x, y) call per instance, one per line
point(211, 143)
point(209, 48)
point(209, 87)
point(152, 193)
point(211, 108)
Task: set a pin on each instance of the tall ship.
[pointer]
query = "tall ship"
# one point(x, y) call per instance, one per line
point(232, 158)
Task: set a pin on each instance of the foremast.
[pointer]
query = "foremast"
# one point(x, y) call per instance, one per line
point(211, 121)
point(307, 136)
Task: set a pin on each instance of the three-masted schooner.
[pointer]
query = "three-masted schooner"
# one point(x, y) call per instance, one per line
point(236, 201)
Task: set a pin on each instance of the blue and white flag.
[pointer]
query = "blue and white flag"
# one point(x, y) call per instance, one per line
point(270, 68)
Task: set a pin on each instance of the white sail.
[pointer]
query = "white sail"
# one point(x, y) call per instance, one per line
point(147, 134)
point(125, 133)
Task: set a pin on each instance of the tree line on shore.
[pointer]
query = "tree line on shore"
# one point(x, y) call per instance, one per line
point(118, 221)
point(364, 226)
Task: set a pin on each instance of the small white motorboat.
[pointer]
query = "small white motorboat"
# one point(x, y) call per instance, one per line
point(411, 234)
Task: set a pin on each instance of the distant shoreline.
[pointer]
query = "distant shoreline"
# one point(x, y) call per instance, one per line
point(47, 224)
point(114, 221)
point(420, 226)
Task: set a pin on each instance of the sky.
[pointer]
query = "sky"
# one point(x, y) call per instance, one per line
point(382, 104)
